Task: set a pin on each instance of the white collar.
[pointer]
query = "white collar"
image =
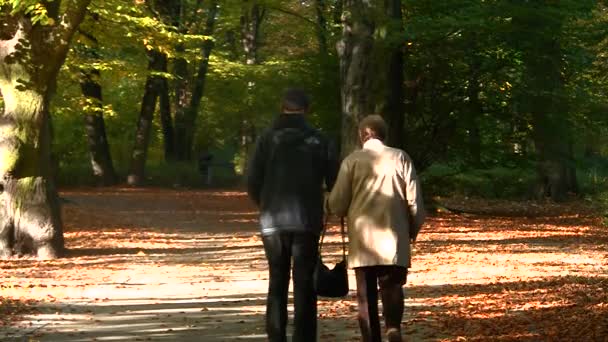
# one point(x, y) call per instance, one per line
point(373, 144)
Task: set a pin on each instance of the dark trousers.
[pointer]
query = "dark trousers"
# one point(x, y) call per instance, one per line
point(391, 280)
point(280, 248)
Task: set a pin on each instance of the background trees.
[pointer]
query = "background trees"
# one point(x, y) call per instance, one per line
point(495, 98)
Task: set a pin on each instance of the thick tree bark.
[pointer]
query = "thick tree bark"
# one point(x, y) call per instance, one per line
point(153, 88)
point(30, 58)
point(99, 149)
point(394, 110)
point(355, 51)
point(30, 220)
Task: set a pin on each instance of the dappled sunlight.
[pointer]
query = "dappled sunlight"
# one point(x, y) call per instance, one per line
point(473, 278)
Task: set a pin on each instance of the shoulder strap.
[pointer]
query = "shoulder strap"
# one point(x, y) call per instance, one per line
point(342, 232)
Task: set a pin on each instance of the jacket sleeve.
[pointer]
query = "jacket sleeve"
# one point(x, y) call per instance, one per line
point(340, 197)
point(415, 202)
point(256, 170)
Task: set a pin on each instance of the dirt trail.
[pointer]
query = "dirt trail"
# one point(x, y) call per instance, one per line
point(188, 266)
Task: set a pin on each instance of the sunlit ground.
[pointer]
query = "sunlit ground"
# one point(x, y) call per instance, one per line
point(180, 266)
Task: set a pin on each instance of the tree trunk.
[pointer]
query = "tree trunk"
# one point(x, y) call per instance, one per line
point(168, 12)
point(182, 99)
point(166, 120)
point(556, 169)
point(190, 92)
point(544, 100)
point(153, 88)
point(99, 149)
point(251, 21)
point(356, 70)
point(394, 110)
point(321, 28)
point(30, 220)
point(30, 58)
point(474, 111)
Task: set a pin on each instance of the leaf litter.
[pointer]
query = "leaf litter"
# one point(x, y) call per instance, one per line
point(474, 277)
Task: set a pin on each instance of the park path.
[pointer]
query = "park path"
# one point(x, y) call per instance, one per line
point(152, 264)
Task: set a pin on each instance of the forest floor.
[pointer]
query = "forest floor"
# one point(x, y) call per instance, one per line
point(157, 264)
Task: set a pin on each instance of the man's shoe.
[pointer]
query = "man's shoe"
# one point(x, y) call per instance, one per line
point(394, 335)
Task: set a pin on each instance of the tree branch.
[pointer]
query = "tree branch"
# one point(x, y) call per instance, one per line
point(297, 15)
point(70, 21)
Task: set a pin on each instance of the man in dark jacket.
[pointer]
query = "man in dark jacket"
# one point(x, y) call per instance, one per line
point(291, 162)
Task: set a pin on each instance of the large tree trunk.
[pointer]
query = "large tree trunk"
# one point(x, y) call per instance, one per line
point(30, 58)
point(153, 88)
point(394, 110)
point(355, 51)
point(30, 220)
point(99, 149)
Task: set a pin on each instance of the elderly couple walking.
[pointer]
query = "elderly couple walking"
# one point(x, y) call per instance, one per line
point(375, 187)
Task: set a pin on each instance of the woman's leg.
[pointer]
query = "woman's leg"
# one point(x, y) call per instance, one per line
point(367, 298)
point(392, 279)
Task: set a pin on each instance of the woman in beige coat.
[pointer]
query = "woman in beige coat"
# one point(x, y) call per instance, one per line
point(377, 189)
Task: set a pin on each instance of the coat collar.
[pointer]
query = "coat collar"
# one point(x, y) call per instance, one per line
point(373, 144)
point(294, 120)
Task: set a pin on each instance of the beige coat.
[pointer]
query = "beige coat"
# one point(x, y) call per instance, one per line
point(377, 189)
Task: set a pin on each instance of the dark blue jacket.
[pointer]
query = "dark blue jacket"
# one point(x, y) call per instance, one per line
point(286, 173)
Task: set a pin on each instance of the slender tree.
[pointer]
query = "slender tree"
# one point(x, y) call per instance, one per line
point(321, 27)
point(34, 40)
point(252, 16)
point(157, 62)
point(99, 149)
point(251, 21)
point(185, 117)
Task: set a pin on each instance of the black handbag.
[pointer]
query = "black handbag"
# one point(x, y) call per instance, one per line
point(332, 282)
